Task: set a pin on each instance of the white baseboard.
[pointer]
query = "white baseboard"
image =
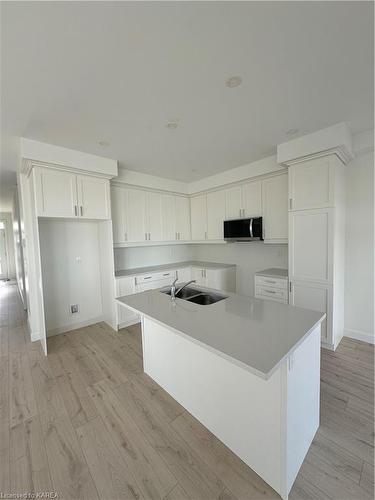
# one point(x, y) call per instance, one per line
point(360, 335)
point(128, 323)
point(68, 328)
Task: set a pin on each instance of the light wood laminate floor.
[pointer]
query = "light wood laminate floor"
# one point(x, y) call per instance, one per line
point(87, 423)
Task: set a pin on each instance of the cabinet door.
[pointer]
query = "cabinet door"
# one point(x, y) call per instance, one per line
point(56, 193)
point(316, 298)
point(252, 199)
point(215, 279)
point(198, 275)
point(136, 217)
point(198, 217)
point(118, 204)
point(126, 286)
point(154, 217)
point(168, 217)
point(215, 215)
point(182, 210)
point(184, 274)
point(275, 209)
point(310, 184)
point(233, 203)
point(310, 245)
point(93, 197)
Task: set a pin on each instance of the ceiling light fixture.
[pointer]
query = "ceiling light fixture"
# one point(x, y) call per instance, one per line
point(172, 125)
point(103, 143)
point(233, 81)
point(292, 131)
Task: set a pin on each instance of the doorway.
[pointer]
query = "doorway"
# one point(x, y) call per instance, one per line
point(3, 251)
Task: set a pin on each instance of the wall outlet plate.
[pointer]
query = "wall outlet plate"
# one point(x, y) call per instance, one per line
point(74, 308)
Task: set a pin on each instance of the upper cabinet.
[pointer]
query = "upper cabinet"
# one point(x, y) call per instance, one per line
point(198, 205)
point(93, 197)
point(215, 215)
point(311, 184)
point(148, 216)
point(182, 217)
point(61, 193)
point(244, 201)
point(275, 209)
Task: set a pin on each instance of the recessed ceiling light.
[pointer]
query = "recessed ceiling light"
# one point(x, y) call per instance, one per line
point(172, 125)
point(233, 81)
point(292, 131)
point(103, 143)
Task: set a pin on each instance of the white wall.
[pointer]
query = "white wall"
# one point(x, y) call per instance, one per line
point(7, 217)
point(128, 258)
point(18, 246)
point(71, 272)
point(249, 258)
point(359, 267)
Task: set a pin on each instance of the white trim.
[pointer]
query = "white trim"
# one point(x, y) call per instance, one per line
point(70, 158)
point(130, 322)
point(367, 337)
point(75, 326)
point(173, 242)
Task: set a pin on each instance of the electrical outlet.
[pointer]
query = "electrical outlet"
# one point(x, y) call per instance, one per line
point(74, 308)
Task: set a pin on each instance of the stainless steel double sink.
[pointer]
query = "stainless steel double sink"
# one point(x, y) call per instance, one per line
point(196, 296)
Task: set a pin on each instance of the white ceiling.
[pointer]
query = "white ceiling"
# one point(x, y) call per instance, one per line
point(75, 73)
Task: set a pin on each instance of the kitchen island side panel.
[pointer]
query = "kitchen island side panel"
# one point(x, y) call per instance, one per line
point(242, 409)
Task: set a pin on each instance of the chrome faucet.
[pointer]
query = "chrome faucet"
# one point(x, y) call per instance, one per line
point(174, 292)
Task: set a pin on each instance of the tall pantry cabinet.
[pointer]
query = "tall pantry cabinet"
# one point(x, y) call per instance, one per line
point(316, 241)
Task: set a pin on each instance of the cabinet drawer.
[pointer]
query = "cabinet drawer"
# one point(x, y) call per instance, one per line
point(147, 278)
point(272, 293)
point(272, 282)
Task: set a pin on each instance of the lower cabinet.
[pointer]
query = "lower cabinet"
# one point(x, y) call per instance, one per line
point(219, 279)
point(126, 286)
point(316, 297)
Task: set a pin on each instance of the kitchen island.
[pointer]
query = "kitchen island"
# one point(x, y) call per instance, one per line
point(247, 369)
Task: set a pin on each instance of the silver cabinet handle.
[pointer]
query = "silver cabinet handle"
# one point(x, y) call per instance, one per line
point(205, 235)
point(75, 210)
point(149, 236)
point(270, 281)
point(145, 236)
point(290, 286)
point(251, 228)
point(290, 203)
point(81, 210)
point(147, 277)
point(270, 291)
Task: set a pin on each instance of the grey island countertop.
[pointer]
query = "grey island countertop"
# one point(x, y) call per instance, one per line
point(273, 272)
point(174, 265)
point(255, 334)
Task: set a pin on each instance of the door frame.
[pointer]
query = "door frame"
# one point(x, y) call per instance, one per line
point(6, 229)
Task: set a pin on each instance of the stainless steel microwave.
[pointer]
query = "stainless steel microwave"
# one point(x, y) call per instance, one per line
point(243, 229)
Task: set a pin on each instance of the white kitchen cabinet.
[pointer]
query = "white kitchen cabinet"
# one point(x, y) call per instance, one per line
point(125, 316)
point(215, 215)
point(135, 219)
point(311, 184)
point(219, 279)
point(198, 205)
point(252, 199)
point(169, 232)
point(310, 245)
point(233, 203)
point(93, 197)
point(315, 297)
point(244, 200)
point(119, 212)
point(153, 224)
point(184, 274)
point(182, 217)
point(275, 209)
point(61, 193)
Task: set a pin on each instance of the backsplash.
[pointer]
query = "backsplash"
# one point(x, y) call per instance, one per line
point(127, 258)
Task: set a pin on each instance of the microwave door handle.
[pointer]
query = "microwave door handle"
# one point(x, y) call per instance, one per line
point(251, 228)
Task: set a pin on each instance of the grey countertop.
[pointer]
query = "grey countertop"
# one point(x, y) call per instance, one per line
point(175, 265)
point(273, 272)
point(255, 334)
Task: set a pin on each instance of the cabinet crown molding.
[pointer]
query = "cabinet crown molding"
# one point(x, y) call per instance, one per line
point(27, 165)
point(332, 140)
